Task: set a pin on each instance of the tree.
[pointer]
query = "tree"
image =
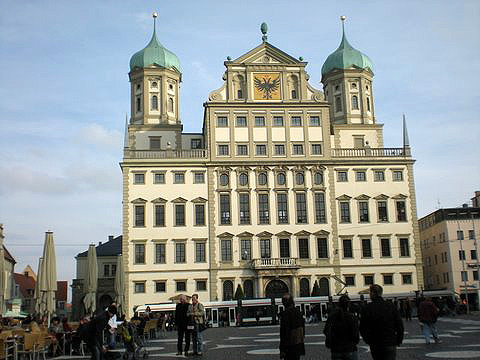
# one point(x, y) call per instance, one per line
point(316, 289)
point(238, 293)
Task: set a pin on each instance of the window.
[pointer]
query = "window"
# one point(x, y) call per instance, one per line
point(263, 209)
point(160, 286)
point(155, 142)
point(397, 175)
point(318, 178)
point(303, 250)
point(223, 150)
point(475, 275)
point(199, 214)
point(179, 178)
point(139, 287)
point(282, 208)
point(406, 279)
point(301, 208)
point(344, 212)
point(181, 286)
point(316, 149)
point(244, 208)
point(368, 104)
point(404, 247)
point(382, 211)
point(368, 280)
point(297, 149)
point(314, 120)
point(349, 280)
point(179, 215)
point(385, 247)
point(294, 94)
point(200, 251)
point(196, 143)
point(202, 284)
point(366, 248)
point(225, 209)
point(106, 270)
point(259, 121)
point(224, 179)
point(296, 121)
point(113, 271)
point(139, 215)
point(338, 104)
point(139, 104)
point(464, 275)
point(354, 86)
point(139, 178)
point(379, 175)
point(459, 235)
point(262, 179)
point(243, 179)
point(226, 249)
point(199, 178)
point(347, 248)
point(322, 248)
point(265, 250)
point(227, 290)
point(387, 279)
point(354, 102)
point(241, 121)
point(222, 121)
point(239, 94)
point(360, 176)
point(401, 211)
point(285, 248)
point(342, 176)
point(180, 256)
point(154, 102)
point(320, 217)
point(242, 150)
point(473, 254)
point(299, 178)
point(246, 249)
point(278, 121)
point(261, 150)
point(160, 253)
point(138, 87)
point(279, 149)
point(159, 178)
point(160, 215)
point(363, 211)
point(461, 255)
point(281, 178)
point(139, 253)
point(154, 84)
point(358, 141)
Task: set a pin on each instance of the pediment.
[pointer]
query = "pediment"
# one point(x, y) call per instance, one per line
point(199, 200)
point(139, 201)
point(302, 233)
point(399, 196)
point(265, 234)
point(362, 197)
point(179, 200)
point(226, 235)
point(283, 233)
point(159, 200)
point(381, 197)
point(321, 233)
point(344, 197)
point(266, 53)
point(245, 234)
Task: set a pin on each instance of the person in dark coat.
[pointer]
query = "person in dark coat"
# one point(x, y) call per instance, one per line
point(341, 332)
point(181, 320)
point(292, 331)
point(381, 326)
point(96, 326)
point(427, 315)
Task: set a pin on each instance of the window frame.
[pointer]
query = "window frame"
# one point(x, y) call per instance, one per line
point(180, 254)
point(222, 121)
point(159, 253)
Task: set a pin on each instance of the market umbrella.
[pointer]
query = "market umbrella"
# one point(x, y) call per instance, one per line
point(119, 285)
point(90, 286)
point(48, 284)
point(39, 309)
point(3, 282)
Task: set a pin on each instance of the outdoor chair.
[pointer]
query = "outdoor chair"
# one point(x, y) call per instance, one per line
point(29, 345)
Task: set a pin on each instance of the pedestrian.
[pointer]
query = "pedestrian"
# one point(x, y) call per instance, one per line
point(292, 331)
point(341, 332)
point(95, 332)
point(197, 312)
point(112, 331)
point(427, 315)
point(408, 310)
point(381, 326)
point(181, 320)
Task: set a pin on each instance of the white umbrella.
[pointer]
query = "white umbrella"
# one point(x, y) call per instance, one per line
point(38, 294)
point(120, 285)
point(48, 284)
point(90, 285)
point(3, 282)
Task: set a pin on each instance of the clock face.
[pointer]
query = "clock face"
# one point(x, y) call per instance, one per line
point(266, 86)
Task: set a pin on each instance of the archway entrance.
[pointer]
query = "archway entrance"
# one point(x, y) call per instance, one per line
point(276, 289)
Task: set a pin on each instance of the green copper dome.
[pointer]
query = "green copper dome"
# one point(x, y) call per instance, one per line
point(346, 57)
point(154, 54)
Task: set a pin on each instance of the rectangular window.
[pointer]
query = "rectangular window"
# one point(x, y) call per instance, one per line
point(201, 285)
point(139, 253)
point(382, 211)
point(244, 199)
point(401, 211)
point(160, 286)
point(387, 279)
point(154, 143)
point(241, 121)
point(160, 215)
point(224, 209)
point(316, 149)
point(301, 208)
point(226, 249)
point(461, 255)
point(471, 235)
point(278, 121)
point(196, 143)
point(344, 212)
point(279, 149)
point(473, 254)
point(363, 211)
point(265, 250)
point(179, 178)
point(159, 178)
point(358, 142)
point(322, 248)
point(342, 176)
point(139, 178)
point(106, 270)
point(160, 254)
point(282, 208)
point(139, 287)
point(368, 280)
point(459, 235)
point(199, 214)
point(296, 121)
point(320, 217)
point(349, 280)
point(113, 271)
point(385, 247)
point(366, 248)
point(379, 175)
point(259, 121)
point(407, 279)
point(397, 175)
point(261, 150)
point(284, 248)
point(475, 275)
point(263, 209)
point(360, 176)
point(246, 249)
point(464, 275)
point(314, 120)
point(199, 178)
point(223, 150)
point(303, 248)
point(139, 215)
point(297, 149)
point(222, 121)
point(404, 247)
point(181, 286)
point(200, 251)
point(347, 248)
point(242, 150)
point(180, 256)
point(179, 215)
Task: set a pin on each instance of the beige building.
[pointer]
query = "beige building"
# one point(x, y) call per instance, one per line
point(286, 185)
point(449, 248)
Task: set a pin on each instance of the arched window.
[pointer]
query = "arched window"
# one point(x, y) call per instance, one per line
point(227, 290)
point(262, 179)
point(248, 289)
point(299, 178)
point(224, 179)
point(238, 86)
point(368, 104)
point(338, 104)
point(281, 179)
point(318, 178)
point(292, 83)
point(243, 179)
point(170, 104)
point(154, 102)
point(324, 287)
point(139, 104)
point(355, 102)
point(304, 287)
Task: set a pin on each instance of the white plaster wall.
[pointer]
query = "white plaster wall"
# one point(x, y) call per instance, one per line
point(259, 134)
point(222, 134)
point(241, 134)
point(346, 137)
point(278, 134)
point(315, 133)
point(143, 142)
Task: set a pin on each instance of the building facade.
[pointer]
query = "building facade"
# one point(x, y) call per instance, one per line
point(9, 270)
point(286, 185)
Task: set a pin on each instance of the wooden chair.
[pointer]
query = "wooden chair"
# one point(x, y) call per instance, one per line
point(30, 342)
point(43, 343)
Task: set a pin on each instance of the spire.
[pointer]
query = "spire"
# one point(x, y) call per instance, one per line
point(264, 29)
point(125, 136)
point(154, 40)
point(344, 43)
point(406, 142)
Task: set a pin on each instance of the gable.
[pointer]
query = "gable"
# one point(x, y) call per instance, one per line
point(266, 53)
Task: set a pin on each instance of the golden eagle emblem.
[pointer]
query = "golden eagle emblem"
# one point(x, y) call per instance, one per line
point(267, 86)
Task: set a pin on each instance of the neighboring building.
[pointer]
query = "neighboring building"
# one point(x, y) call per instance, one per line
point(61, 298)
point(28, 271)
point(9, 271)
point(450, 258)
point(286, 185)
point(25, 291)
point(476, 199)
point(107, 254)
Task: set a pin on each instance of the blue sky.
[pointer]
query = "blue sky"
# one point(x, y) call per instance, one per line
point(64, 93)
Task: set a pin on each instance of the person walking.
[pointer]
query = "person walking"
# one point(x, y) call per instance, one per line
point(427, 315)
point(381, 326)
point(181, 320)
point(197, 312)
point(341, 332)
point(95, 332)
point(408, 310)
point(292, 331)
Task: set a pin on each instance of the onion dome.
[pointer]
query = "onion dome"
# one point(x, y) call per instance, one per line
point(154, 54)
point(346, 57)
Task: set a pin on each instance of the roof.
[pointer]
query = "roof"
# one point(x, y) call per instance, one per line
point(24, 283)
point(110, 248)
point(61, 293)
point(8, 256)
point(452, 214)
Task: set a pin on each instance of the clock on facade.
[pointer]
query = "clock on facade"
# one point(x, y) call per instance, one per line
point(266, 86)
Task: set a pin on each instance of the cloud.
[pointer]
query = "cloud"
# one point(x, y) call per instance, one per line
point(203, 73)
point(98, 135)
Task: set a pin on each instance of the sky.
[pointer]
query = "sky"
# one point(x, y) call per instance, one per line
point(64, 95)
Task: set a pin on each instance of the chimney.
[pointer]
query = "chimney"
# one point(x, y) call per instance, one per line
point(110, 237)
point(99, 243)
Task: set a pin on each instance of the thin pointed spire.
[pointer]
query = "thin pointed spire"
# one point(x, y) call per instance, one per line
point(125, 137)
point(344, 41)
point(154, 40)
point(406, 142)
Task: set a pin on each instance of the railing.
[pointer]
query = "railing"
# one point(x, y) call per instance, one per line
point(166, 154)
point(265, 263)
point(371, 152)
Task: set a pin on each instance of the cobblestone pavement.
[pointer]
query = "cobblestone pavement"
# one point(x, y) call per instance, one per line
point(460, 340)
